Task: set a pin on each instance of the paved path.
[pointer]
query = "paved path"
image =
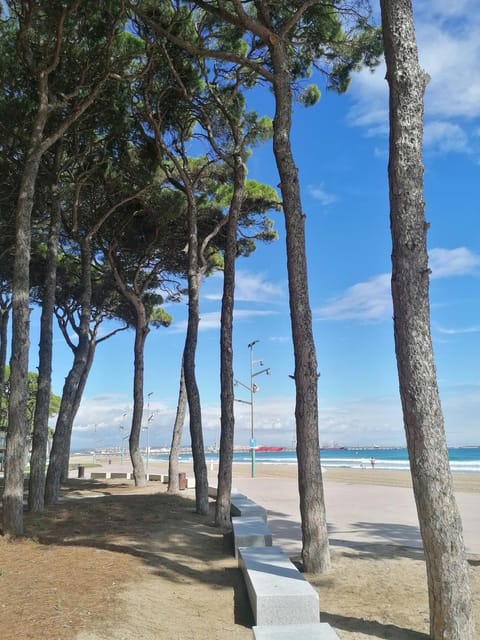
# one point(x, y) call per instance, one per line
point(355, 513)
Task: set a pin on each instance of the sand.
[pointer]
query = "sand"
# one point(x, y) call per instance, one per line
point(115, 562)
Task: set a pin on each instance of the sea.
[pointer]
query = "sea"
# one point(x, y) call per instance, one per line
point(462, 459)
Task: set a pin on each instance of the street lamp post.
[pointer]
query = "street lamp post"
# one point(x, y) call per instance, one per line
point(149, 419)
point(123, 437)
point(95, 444)
point(252, 388)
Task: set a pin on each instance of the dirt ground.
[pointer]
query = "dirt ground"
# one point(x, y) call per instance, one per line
point(115, 562)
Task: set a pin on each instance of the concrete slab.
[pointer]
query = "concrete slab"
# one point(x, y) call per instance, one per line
point(277, 591)
point(250, 531)
point(243, 506)
point(321, 631)
point(100, 475)
point(356, 513)
point(155, 477)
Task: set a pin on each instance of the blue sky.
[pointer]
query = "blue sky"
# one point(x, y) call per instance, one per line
point(341, 148)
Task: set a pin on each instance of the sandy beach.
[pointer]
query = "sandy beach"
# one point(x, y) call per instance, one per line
point(113, 562)
point(363, 505)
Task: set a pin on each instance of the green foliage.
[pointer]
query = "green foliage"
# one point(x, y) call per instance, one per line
point(160, 318)
point(310, 95)
point(32, 394)
point(334, 37)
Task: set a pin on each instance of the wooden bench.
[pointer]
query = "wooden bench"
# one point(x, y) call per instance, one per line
point(315, 631)
point(278, 592)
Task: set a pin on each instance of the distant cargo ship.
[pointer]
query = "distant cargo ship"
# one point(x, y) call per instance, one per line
point(264, 449)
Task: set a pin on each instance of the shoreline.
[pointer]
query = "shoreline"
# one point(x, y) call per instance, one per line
point(464, 481)
point(363, 505)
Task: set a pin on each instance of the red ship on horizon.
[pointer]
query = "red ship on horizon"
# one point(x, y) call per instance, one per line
point(264, 449)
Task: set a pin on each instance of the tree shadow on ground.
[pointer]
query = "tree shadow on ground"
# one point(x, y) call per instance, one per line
point(371, 628)
point(162, 530)
point(381, 539)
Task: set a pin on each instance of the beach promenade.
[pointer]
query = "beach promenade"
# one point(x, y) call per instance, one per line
point(356, 513)
point(363, 506)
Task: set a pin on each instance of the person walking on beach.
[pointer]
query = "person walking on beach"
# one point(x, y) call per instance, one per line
point(372, 462)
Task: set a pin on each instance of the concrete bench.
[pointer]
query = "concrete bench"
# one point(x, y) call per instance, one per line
point(250, 531)
point(116, 475)
point(243, 506)
point(158, 477)
point(318, 631)
point(212, 492)
point(278, 593)
point(100, 475)
point(163, 478)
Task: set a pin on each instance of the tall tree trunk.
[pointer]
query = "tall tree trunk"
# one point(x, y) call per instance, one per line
point(227, 431)
point(450, 597)
point(68, 406)
point(193, 395)
point(141, 333)
point(64, 459)
point(4, 317)
point(66, 414)
point(17, 411)
point(315, 548)
point(173, 468)
point(36, 486)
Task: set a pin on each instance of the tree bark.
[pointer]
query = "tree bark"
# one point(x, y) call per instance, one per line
point(134, 297)
point(141, 332)
point(36, 485)
point(66, 414)
point(4, 318)
point(77, 399)
point(193, 394)
point(17, 411)
point(315, 548)
point(440, 524)
point(173, 468)
point(227, 432)
point(70, 398)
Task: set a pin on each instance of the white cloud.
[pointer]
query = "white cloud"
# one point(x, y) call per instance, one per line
point(250, 287)
point(353, 421)
point(460, 331)
point(446, 137)
point(254, 287)
point(319, 193)
point(211, 320)
point(371, 300)
point(449, 51)
point(446, 263)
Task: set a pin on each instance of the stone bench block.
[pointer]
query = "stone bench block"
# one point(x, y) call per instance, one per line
point(116, 475)
point(278, 592)
point(212, 492)
point(100, 475)
point(155, 477)
point(321, 631)
point(250, 531)
point(243, 507)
